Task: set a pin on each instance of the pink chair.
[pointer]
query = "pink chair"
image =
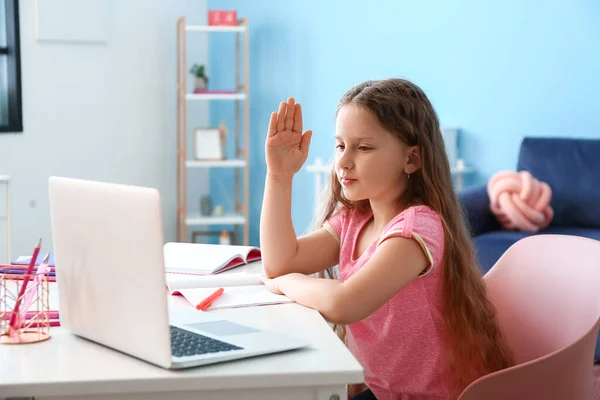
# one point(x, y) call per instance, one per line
point(546, 289)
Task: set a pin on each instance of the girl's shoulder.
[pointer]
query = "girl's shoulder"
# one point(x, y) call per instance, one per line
point(424, 225)
point(426, 211)
point(420, 210)
point(418, 217)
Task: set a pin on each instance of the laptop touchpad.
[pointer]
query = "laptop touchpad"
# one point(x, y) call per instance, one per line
point(223, 328)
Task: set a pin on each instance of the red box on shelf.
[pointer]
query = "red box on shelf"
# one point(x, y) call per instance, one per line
point(222, 18)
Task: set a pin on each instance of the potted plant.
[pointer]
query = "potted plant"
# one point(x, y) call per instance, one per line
point(201, 81)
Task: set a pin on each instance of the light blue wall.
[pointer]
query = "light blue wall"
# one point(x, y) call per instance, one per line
point(498, 70)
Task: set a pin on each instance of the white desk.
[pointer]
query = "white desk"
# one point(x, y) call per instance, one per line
point(68, 367)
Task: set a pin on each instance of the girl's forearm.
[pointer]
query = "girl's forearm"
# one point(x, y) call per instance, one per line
point(323, 295)
point(277, 237)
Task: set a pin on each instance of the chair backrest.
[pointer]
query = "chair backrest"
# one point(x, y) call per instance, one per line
point(563, 375)
point(570, 166)
point(546, 290)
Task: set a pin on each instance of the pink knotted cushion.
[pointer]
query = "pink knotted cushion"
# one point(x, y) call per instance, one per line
point(520, 201)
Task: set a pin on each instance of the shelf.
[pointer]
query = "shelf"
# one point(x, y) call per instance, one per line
point(215, 96)
point(4, 178)
point(216, 164)
point(228, 219)
point(210, 28)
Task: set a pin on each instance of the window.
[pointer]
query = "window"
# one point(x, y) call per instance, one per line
point(11, 119)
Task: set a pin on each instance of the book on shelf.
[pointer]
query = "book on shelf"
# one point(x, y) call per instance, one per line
point(206, 259)
point(207, 91)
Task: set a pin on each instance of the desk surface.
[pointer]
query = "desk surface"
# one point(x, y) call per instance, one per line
point(68, 365)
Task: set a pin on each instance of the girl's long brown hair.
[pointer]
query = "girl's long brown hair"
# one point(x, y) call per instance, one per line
point(475, 344)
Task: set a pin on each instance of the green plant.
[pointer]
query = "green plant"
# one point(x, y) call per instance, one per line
point(199, 71)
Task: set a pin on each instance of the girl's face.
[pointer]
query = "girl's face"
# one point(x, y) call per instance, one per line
point(370, 161)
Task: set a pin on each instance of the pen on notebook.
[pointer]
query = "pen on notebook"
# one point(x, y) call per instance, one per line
point(13, 317)
point(207, 302)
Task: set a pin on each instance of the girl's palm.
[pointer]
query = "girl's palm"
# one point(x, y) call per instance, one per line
point(286, 148)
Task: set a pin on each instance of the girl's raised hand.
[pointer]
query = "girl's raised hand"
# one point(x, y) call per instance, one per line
point(286, 148)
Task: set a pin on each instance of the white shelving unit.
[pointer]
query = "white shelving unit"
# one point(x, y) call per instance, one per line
point(215, 96)
point(459, 172)
point(216, 164)
point(238, 217)
point(228, 219)
point(209, 28)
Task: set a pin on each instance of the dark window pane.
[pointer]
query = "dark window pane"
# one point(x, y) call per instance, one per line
point(10, 68)
point(3, 91)
point(3, 68)
point(2, 23)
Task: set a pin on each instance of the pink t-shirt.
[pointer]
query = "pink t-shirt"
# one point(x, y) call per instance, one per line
point(400, 344)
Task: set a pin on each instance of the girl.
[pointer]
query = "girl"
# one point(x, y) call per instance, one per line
point(409, 290)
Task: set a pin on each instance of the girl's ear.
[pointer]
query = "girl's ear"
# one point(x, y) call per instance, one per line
point(413, 162)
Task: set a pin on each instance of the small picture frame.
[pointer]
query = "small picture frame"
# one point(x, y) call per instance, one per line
point(208, 144)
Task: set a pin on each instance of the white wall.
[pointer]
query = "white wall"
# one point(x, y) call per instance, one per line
point(100, 111)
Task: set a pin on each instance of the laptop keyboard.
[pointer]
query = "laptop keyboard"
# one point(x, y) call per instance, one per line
point(185, 343)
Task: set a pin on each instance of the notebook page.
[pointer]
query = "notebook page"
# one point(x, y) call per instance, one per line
point(176, 282)
point(235, 296)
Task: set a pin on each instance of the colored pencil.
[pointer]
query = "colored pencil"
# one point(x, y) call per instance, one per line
point(27, 277)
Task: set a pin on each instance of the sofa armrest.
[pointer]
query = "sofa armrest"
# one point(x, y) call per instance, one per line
point(476, 208)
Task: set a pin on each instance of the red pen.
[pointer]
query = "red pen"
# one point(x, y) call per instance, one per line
point(207, 302)
point(13, 317)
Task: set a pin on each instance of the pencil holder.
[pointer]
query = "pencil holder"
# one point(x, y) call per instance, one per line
point(24, 308)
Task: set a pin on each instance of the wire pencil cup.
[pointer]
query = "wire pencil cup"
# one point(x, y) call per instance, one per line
point(31, 324)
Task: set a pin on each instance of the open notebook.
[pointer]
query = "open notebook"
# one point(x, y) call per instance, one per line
point(203, 259)
point(242, 289)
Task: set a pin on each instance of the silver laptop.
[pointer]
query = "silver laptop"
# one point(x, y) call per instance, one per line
point(108, 245)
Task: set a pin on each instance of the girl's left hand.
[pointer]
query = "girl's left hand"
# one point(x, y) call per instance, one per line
point(271, 284)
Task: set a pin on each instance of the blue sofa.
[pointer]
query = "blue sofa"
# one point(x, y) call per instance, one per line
point(571, 166)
